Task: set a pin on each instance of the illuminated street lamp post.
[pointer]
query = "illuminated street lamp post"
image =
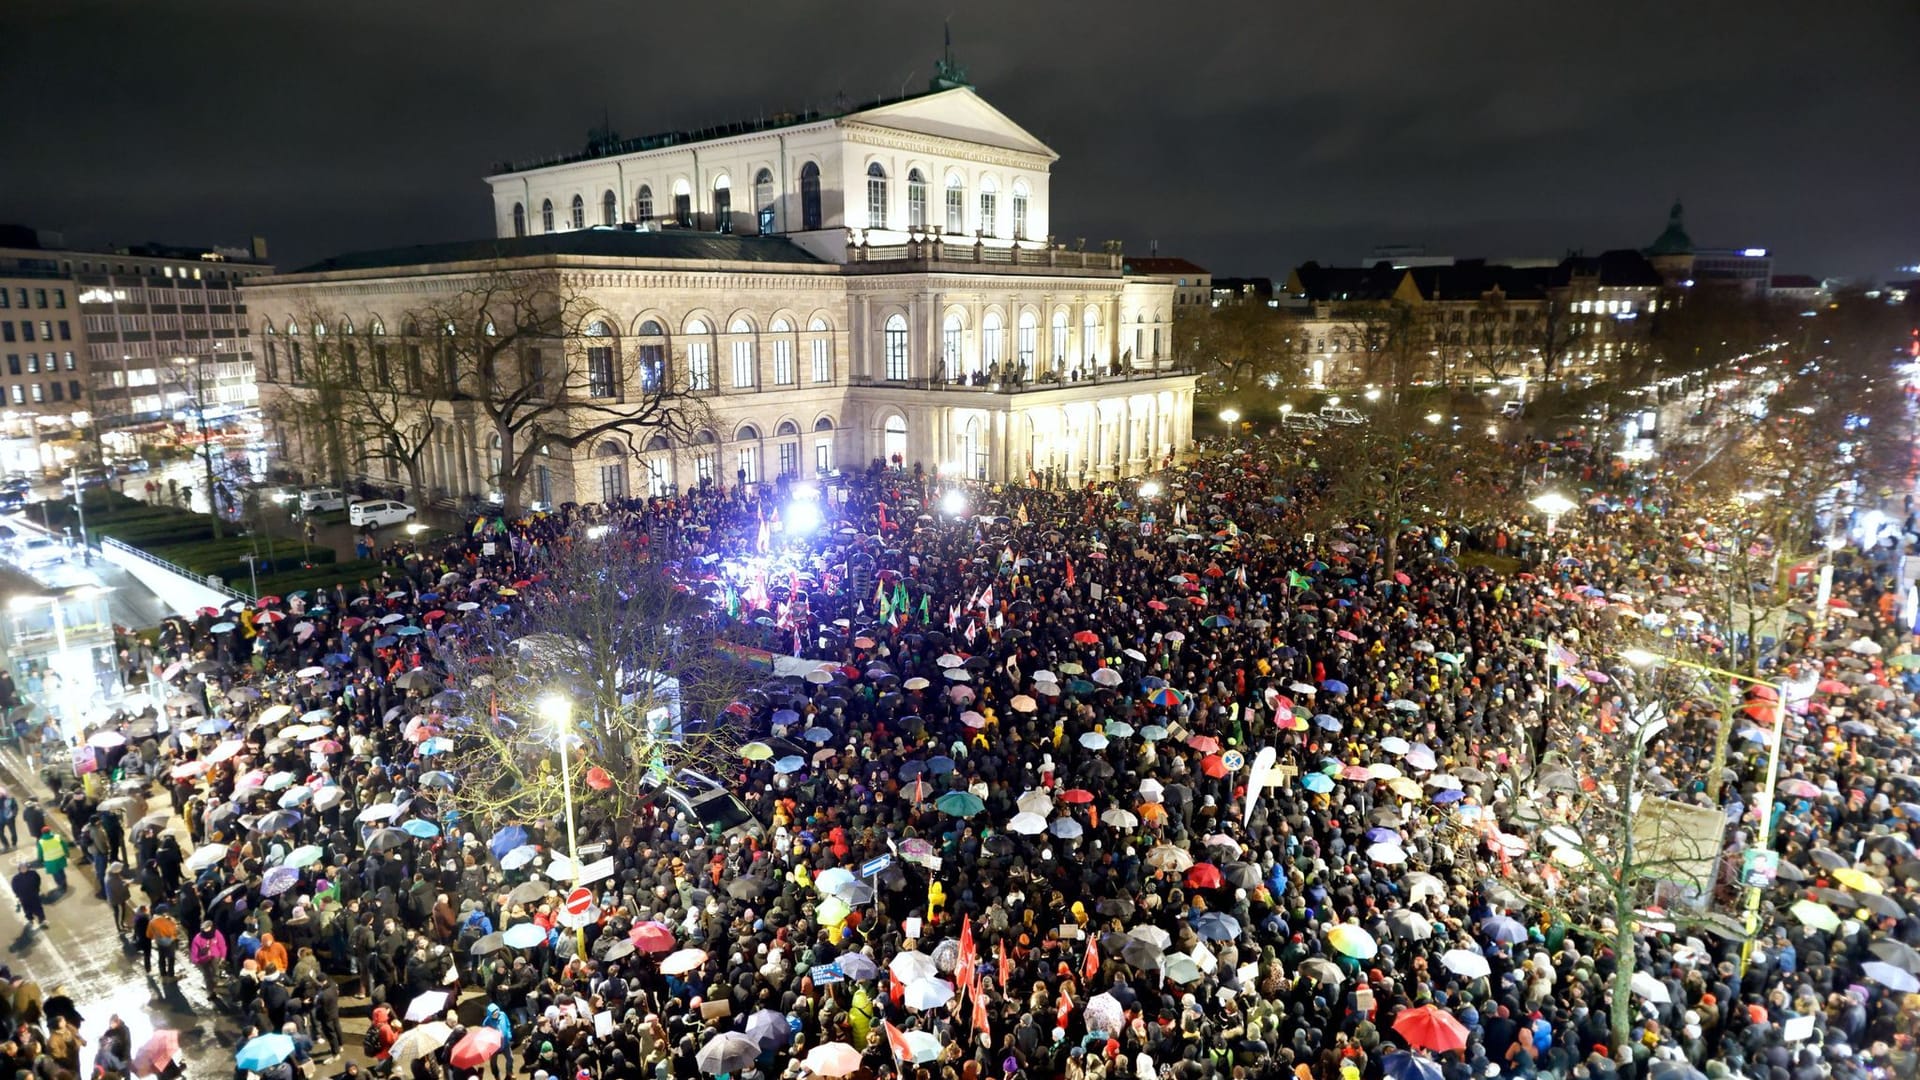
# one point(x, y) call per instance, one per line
point(556, 710)
point(1763, 839)
point(1553, 504)
point(1229, 417)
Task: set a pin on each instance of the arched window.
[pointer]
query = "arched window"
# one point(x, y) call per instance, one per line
point(682, 204)
point(952, 334)
point(651, 352)
point(783, 370)
point(1019, 209)
point(876, 196)
point(613, 471)
point(820, 350)
point(609, 208)
point(1027, 345)
point(823, 445)
point(603, 362)
point(346, 326)
point(378, 329)
point(916, 200)
point(992, 341)
point(956, 205)
point(895, 346)
point(1090, 333)
point(893, 440)
point(519, 220)
point(741, 349)
point(579, 217)
point(747, 433)
point(699, 357)
point(723, 203)
point(1059, 350)
point(809, 196)
point(973, 450)
point(763, 200)
point(546, 215)
point(643, 204)
point(989, 205)
point(705, 456)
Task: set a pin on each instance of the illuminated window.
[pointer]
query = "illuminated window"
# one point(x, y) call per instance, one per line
point(643, 204)
point(896, 347)
point(579, 217)
point(956, 205)
point(916, 200)
point(876, 196)
point(763, 200)
point(1020, 211)
point(989, 201)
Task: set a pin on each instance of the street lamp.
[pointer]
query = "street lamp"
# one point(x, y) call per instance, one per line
point(1643, 658)
point(953, 503)
point(1552, 504)
point(1149, 488)
point(556, 710)
point(1229, 417)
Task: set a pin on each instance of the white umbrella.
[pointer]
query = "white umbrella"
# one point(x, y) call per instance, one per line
point(832, 1059)
point(1646, 986)
point(1394, 744)
point(205, 856)
point(1036, 802)
point(924, 994)
point(1419, 884)
point(1467, 963)
point(1027, 824)
point(1105, 1013)
point(1152, 790)
point(912, 965)
point(1120, 819)
point(1387, 854)
point(419, 1042)
point(427, 1005)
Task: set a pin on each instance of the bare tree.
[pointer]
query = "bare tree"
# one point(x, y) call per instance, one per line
point(1394, 342)
point(1401, 468)
point(638, 660)
point(1556, 334)
point(1243, 345)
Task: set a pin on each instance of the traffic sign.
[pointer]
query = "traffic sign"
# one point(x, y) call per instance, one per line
point(598, 870)
point(574, 922)
point(1234, 760)
point(579, 900)
point(875, 865)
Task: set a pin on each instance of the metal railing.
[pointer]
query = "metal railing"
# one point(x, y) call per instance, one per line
point(109, 543)
point(1026, 386)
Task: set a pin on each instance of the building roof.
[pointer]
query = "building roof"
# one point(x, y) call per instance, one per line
point(1620, 268)
point(1673, 241)
point(1473, 279)
point(1795, 281)
point(1156, 265)
point(600, 243)
point(1311, 281)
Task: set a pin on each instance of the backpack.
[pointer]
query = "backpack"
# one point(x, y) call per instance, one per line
point(370, 1042)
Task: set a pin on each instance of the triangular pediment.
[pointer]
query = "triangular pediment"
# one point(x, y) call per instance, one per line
point(958, 113)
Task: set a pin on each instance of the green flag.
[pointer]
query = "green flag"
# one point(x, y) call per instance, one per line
point(902, 603)
point(1298, 580)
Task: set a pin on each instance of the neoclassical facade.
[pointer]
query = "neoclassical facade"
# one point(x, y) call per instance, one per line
point(803, 278)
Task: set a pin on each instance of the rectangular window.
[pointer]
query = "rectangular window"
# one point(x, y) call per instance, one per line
point(59, 392)
point(1019, 216)
point(950, 352)
point(33, 363)
point(916, 204)
point(876, 202)
point(703, 468)
point(747, 471)
point(783, 374)
point(19, 395)
point(46, 330)
point(1028, 346)
point(789, 458)
point(66, 330)
point(823, 456)
point(988, 201)
point(613, 482)
point(699, 366)
point(39, 298)
point(600, 375)
point(822, 350)
point(13, 363)
point(60, 299)
point(743, 365)
point(656, 479)
point(39, 393)
point(723, 209)
point(73, 389)
point(653, 366)
point(956, 211)
point(4, 302)
point(896, 353)
point(683, 211)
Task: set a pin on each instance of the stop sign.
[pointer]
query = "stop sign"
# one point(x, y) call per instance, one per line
point(579, 900)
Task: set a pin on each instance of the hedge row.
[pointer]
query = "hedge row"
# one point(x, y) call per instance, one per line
point(346, 573)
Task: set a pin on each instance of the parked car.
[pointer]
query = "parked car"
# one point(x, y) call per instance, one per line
point(283, 494)
point(378, 512)
point(1340, 414)
point(17, 484)
point(315, 500)
point(40, 551)
point(77, 480)
point(1302, 422)
point(1512, 408)
point(11, 501)
point(130, 465)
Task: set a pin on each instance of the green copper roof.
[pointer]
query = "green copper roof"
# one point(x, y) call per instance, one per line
point(1674, 241)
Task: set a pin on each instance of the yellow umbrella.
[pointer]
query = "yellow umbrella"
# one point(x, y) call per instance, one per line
point(756, 751)
point(832, 911)
point(1381, 770)
point(1404, 787)
point(1858, 881)
point(1352, 941)
point(1817, 915)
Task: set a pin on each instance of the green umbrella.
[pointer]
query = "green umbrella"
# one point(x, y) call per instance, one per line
point(1906, 660)
point(1817, 915)
point(960, 803)
point(305, 856)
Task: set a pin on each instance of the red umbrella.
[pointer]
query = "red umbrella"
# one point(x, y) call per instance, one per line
point(162, 1048)
point(1429, 1028)
point(432, 615)
point(652, 937)
point(1086, 637)
point(351, 622)
point(266, 600)
point(1401, 577)
point(1765, 693)
point(1206, 744)
point(475, 1047)
point(1833, 686)
point(1214, 766)
point(1076, 795)
point(1157, 605)
point(1203, 876)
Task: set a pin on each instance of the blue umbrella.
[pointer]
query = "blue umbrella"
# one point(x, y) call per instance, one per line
point(1380, 834)
point(222, 628)
point(1118, 729)
point(425, 830)
point(960, 803)
point(817, 735)
point(1152, 682)
point(385, 641)
point(939, 764)
point(335, 659)
point(1153, 733)
point(1327, 722)
point(1405, 1066)
point(910, 770)
point(1502, 929)
point(1319, 783)
point(437, 745)
point(857, 966)
point(499, 609)
point(438, 778)
point(213, 725)
point(1065, 828)
point(524, 935)
point(784, 717)
point(1216, 926)
point(294, 796)
point(506, 840)
point(792, 763)
point(409, 631)
point(1449, 795)
point(428, 598)
point(263, 1052)
point(1334, 686)
point(279, 879)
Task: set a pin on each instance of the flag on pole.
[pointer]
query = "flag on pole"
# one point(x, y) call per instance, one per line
point(985, 599)
point(1069, 573)
point(1091, 966)
point(897, 1042)
point(1001, 965)
point(980, 1022)
point(968, 957)
point(1298, 580)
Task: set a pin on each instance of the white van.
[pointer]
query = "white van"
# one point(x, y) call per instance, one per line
point(1340, 414)
point(377, 512)
point(315, 500)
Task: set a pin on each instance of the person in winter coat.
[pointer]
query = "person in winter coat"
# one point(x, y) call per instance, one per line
point(208, 952)
point(502, 1061)
point(26, 892)
point(54, 851)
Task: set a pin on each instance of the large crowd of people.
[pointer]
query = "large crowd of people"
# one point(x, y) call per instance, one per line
point(1160, 782)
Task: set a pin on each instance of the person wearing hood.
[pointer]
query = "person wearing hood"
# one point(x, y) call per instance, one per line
point(501, 1063)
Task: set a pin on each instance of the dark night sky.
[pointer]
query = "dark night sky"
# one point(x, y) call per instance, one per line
point(1247, 137)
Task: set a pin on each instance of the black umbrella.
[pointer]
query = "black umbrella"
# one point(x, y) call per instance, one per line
point(619, 950)
point(387, 840)
point(1115, 907)
point(1144, 955)
point(747, 888)
point(491, 943)
point(526, 892)
point(1241, 875)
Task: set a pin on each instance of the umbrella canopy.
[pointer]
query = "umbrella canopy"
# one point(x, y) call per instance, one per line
point(263, 1052)
point(832, 1059)
point(683, 961)
point(1467, 963)
point(1350, 940)
point(419, 1042)
point(475, 1047)
point(925, 994)
point(524, 935)
point(427, 1005)
point(1429, 1028)
point(727, 1052)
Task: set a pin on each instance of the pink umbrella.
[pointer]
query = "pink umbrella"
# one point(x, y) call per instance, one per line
point(162, 1049)
point(682, 962)
point(652, 937)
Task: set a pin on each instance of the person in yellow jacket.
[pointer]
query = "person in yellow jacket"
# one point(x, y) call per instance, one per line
point(54, 850)
point(860, 1015)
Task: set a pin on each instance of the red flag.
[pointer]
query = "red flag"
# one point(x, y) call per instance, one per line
point(1002, 966)
point(1063, 1009)
point(968, 957)
point(980, 1021)
point(1092, 966)
point(1069, 573)
point(883, 517)
point(897, 1042)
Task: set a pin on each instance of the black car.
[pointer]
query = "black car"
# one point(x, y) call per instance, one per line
point(11, 501)
point(18, 485)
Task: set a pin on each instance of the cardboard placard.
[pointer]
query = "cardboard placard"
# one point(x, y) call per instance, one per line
point(716, 1010)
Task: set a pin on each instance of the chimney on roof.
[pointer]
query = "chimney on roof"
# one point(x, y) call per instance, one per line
point(260, 248)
